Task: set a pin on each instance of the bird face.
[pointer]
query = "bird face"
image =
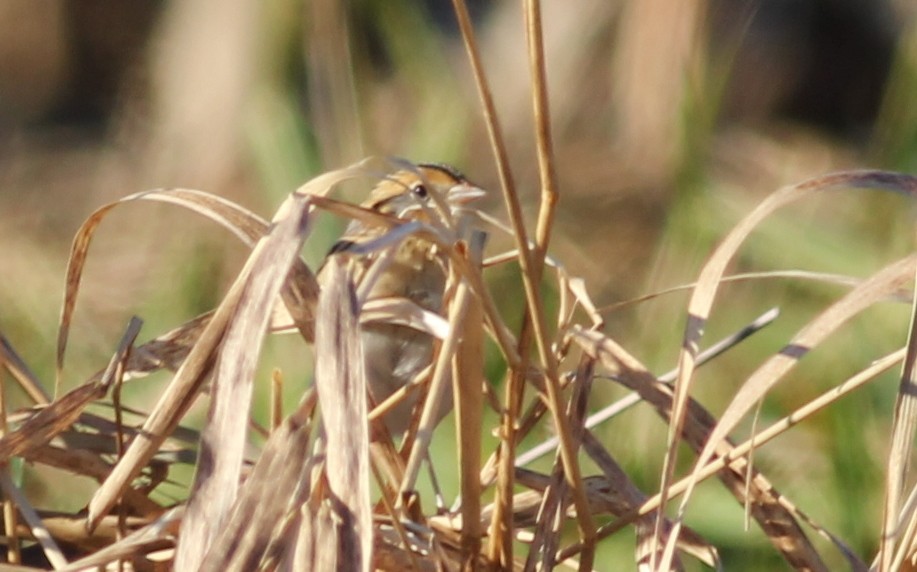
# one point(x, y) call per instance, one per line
point(416, 194)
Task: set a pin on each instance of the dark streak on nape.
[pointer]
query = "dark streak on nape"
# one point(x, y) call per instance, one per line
point(445, 168)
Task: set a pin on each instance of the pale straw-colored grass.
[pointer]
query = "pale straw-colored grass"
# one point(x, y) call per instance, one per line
point(330, 490)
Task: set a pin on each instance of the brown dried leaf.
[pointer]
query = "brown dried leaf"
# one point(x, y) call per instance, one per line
point(467, 380)
point(61, 413)
point(17, 367)
point(38, 529)
point(439, 385)
point(892, 553)
point(341, 385)
point(243, 223)
point(155, 536)
point(300, 291)
point(261, 524)
point(172, 405)
point(186, 384)
point(762, 499)
point(555, 503)
point(167, 351)
point(875, 289)
point(708, 283)
point(622, 496)
point(217, 478)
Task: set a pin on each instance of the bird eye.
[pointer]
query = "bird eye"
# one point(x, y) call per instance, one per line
point(420, 191)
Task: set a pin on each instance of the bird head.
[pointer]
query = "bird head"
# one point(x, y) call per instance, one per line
point(428, 188)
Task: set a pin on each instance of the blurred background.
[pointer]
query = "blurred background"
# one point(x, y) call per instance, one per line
point(671, 121)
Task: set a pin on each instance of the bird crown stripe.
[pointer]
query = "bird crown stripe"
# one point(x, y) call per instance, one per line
point(444, 168)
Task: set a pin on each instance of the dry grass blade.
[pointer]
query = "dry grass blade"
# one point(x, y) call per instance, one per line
point(223, 441)
point(708, 283)
point(543, 140)
point(752, 489)
point(276, 399)
point(883, 284)
point(39, 531)
point(875, 289)
point(48, 422)
point(69, 530)
point(51, 420)
point(404, 312)
point(89, 464)
point(622, 496)
point(610, 493)
point(577, 288)
point(183, 389)
point(261, 528)
point(10, 517)
point(300, 293)
point(822, 277)
point(554, 505)
point(167, 351)
point(467, 379)
point(216, 208)
point(13, 363)
point(899, 457)
point(633, 398)
point(172, 405)
point(879, 366)
point(246, 225)
point(535, 313)
point(341, 385)
point(61, 413)
point(438, 387)
point(906, 536)
point(501, 540)
point(502, 336)
point(155, 536)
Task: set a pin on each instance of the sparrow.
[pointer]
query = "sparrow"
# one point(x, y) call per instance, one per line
point(411, 266)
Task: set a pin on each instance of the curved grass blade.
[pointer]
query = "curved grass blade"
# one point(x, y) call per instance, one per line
point(219, 467)
point(189, 378)
point(704, 294)
point(746, 484)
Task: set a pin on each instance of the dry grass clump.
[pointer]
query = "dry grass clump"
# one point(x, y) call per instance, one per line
point(305, 500)
point(330, 490)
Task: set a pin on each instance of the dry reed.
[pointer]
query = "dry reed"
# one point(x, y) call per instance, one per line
point(329, 491)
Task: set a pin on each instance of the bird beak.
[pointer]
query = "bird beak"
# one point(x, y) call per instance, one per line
point(462, 194)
